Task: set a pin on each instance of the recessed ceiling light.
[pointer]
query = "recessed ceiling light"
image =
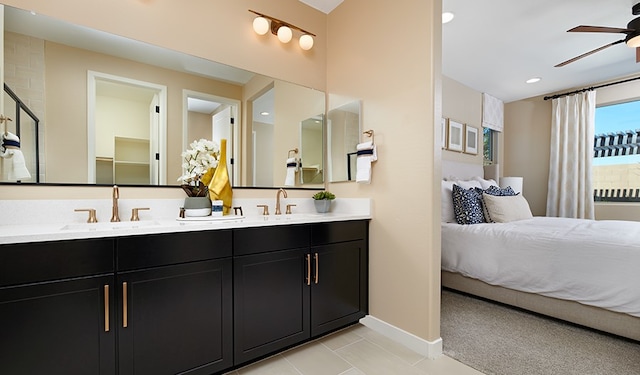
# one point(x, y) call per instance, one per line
point(447, 17)
point(533, 80)
point(265, 113)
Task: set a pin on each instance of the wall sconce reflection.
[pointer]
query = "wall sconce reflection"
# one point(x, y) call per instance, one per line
point(283, 30)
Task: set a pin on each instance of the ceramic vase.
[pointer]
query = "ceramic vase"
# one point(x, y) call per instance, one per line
point(197, 206)
point(220, 185)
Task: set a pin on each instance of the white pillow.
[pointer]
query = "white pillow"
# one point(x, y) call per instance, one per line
point(468, 184)
point(503, 209)
point(447, 213)
point(485, 183)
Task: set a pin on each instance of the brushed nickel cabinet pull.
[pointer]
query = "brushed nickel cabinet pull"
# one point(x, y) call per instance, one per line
point(317, 258)
point(308, 256)
point(125, 318)
point(106, 308)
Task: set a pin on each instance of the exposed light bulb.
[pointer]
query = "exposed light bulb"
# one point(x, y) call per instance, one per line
point(306, 42)
point(285, 34)
point(260, 25)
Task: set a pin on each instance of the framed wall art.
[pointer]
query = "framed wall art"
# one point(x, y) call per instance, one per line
point(471, 140)
point(456, 136)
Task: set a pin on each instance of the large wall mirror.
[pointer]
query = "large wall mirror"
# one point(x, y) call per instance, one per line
point(344, 128)
point(106, 109)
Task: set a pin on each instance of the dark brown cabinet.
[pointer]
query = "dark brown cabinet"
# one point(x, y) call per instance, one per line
point(296, 283)
point(175, 303)
point(194, 303)
point(55, 312)
point(338, 293)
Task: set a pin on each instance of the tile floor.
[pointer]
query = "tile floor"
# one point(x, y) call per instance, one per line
point(356, 350)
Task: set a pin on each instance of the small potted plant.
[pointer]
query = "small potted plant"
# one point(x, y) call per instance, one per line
point(322, 201)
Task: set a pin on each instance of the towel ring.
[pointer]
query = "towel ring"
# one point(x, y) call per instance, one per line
point(295, 151)
point(370, 134)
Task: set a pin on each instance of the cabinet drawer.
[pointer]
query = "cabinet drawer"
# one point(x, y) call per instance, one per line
point(341, 231)
point(43, 261)
point(265, 239)
point(138, 252)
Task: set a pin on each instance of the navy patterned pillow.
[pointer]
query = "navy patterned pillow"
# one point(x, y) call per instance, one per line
point(494, 190)
point(467, 205)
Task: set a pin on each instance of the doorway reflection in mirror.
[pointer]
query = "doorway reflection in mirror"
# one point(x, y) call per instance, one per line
point(344, 126)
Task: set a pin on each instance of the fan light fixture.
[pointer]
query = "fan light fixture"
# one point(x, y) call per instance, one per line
point(633, 41)
point(283, 30)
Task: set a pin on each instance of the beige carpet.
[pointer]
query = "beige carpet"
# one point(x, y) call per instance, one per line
point(499, 340)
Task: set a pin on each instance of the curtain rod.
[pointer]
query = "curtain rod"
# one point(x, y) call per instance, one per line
point(589, 88)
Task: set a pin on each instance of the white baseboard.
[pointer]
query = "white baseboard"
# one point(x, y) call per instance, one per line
point(429, 349)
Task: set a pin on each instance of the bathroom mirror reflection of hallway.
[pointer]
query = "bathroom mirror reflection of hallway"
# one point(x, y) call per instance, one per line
point(127, 125)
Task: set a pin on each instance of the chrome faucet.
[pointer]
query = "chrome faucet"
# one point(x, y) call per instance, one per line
point(284, 192)
point(114, 208)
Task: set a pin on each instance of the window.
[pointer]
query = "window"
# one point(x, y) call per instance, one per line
point(616, 162)
point(488, 137)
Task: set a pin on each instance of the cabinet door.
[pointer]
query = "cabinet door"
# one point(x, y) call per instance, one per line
point(271, 302)
point(339, 285)
point(58, 327)
point(176, 319)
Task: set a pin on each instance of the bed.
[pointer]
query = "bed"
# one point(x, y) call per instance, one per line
point(582, 271)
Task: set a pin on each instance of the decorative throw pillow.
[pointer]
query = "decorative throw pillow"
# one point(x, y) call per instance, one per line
point(496, 191)
point(504, 209)
point(467, 205)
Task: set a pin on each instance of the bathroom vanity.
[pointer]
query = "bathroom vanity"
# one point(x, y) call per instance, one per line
point(200, 300)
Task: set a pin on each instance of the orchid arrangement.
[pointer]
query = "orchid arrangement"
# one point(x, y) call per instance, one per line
point(199, 162)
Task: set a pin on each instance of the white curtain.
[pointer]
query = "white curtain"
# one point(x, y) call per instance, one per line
point(570, 191)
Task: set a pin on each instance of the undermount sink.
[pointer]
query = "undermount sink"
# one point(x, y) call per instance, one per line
point(109, 225)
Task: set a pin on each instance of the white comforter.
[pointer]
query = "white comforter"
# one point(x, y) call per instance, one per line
point(592, 262)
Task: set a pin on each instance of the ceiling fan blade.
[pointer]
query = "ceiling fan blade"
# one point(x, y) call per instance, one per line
point(598, 29)
point(589, 53)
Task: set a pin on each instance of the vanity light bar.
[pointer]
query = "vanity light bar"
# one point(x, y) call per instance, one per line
point(264, 23)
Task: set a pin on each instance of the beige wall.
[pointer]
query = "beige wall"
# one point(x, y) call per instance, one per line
point(393, 70)
point(464, 105)
point(199, 126)
point(527, 134)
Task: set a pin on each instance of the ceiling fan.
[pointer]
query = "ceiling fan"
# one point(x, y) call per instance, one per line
point(632, 39)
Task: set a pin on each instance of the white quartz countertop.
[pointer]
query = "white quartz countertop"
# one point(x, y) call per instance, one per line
point(70, 229)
